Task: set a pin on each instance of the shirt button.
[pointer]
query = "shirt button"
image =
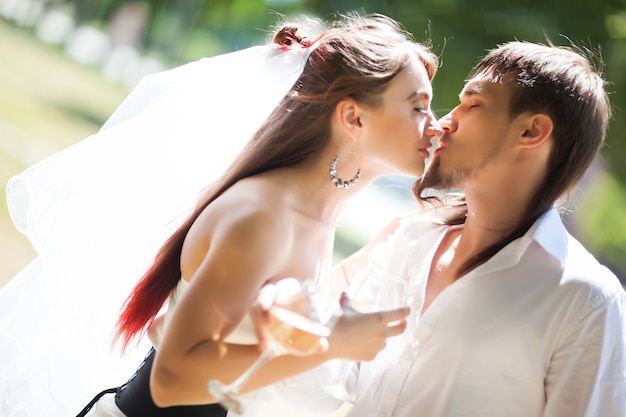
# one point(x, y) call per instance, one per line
point(409, 356)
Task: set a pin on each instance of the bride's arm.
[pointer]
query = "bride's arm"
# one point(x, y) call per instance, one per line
point(243, 254)
point(231, 259)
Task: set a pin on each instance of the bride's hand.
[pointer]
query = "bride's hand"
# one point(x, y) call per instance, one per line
point(360, 336)
point(259, 312)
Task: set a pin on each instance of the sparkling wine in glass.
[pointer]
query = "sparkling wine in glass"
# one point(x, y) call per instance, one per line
point(293, 327)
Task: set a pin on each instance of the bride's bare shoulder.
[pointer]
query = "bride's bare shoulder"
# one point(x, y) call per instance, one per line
point(250, 202)
point(256, 193)
point(249, 217)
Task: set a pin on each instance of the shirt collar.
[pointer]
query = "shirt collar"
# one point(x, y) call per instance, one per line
point(550, 233)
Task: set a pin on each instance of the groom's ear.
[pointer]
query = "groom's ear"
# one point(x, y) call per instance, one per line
point(537, 129)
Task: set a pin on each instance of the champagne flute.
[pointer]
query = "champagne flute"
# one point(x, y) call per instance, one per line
point(372, 289)
point(293, 327)
point(376, 289)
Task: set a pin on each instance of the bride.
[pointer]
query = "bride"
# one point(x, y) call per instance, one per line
point(326, 115)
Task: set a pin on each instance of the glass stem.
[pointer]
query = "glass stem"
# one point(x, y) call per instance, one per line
point(239, 383)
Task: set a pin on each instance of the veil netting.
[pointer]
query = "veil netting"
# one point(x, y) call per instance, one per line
point(97, 212)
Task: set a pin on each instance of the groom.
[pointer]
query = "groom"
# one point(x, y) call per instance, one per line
point(511, 315)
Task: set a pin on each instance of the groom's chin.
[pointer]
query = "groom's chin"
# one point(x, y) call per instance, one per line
point(433, 168)
point(434, 178)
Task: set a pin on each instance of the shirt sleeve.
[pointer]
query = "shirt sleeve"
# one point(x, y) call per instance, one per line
point(587, 372)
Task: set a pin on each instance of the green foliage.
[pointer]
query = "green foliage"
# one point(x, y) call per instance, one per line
point(604, 225)
point(461, 31)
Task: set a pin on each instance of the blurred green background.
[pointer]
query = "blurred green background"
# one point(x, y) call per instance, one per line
point(66, 65)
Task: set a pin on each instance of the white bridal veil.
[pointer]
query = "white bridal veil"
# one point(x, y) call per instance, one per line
point(97, 212)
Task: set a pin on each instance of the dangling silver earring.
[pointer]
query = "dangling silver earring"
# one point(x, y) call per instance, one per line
point(339, 183)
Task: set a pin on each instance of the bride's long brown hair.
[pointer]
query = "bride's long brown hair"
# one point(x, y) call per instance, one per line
point(356, 58)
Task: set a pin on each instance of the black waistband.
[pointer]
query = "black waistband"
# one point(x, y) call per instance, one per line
point(134, 399)
point(95, 399)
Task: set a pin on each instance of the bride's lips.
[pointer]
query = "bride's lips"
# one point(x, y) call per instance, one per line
point(424, 151)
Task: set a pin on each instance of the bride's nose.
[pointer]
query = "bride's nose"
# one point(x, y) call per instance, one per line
point(434, 128)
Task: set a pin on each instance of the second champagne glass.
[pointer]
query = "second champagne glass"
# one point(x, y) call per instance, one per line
point(376, 289)
point(372, 289)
